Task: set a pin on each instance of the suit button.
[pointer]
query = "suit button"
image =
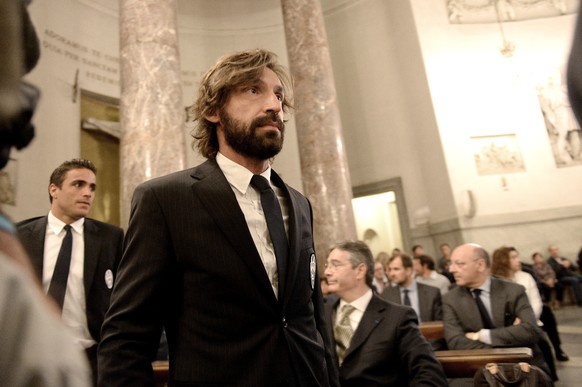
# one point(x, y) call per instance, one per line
point(284, 322)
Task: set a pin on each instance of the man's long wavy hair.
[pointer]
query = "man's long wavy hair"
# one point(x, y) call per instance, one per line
point(231, 71)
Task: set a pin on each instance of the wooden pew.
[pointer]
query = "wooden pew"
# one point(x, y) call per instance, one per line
point(463, 363)
point(432, 329)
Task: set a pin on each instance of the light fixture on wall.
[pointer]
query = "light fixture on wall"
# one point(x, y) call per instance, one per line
point(508, 48)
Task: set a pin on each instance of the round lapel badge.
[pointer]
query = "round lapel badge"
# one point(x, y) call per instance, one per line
point(109, 279)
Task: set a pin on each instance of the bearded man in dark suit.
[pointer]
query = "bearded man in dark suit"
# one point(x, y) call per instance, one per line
point(194, 231)
point(378, 343)
point(95, 252)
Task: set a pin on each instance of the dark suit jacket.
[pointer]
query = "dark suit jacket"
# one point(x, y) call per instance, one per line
point(103, 247)
point(387, 349)
point(560, 270)
point(190, 265)
point(429, 301)
point(508, 302)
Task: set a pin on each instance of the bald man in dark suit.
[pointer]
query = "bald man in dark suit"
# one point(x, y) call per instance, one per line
point(507, 319)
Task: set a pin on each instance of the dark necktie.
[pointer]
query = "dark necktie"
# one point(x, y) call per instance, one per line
point(406, 298)
point(274, 218)
point(58, 285)
point(343, 332)
point(485, 318)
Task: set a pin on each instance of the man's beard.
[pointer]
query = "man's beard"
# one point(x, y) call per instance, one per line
point(244, 139)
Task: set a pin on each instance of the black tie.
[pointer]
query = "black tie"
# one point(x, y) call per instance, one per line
point(274, 218)
point(485, 318)
point(58, 285)
point(406, 298)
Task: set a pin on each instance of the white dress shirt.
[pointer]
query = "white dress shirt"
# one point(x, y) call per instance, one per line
point(74, 308)
point(249, 201)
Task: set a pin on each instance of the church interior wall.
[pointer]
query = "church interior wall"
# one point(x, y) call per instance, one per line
point(412, 90)
point(477, 92)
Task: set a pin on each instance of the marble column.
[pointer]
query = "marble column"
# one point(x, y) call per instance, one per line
point(152, 112)
point(324, 166)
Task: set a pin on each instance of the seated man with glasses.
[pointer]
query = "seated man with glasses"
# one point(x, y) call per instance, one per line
point(484, 311)
point(377, 342)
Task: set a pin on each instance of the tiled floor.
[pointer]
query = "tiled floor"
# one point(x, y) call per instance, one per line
point(570, 327)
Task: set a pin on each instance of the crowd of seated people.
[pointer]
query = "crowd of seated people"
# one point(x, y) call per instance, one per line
point(494, 302)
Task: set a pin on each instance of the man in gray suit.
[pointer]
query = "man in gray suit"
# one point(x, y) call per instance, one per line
point(195, 230)
point(95, 252)
point(424, 299)
point(485, 311)
point(378, 343)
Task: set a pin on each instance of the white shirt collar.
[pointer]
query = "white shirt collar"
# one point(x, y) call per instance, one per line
point(360, 304)
point(238, 176)
point(57, 225)
point(412, 287)
point(486, 286)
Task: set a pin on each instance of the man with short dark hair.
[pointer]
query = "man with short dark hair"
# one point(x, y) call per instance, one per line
point(94, 253)
point(565, 273)
point(378, 343)
point(424, 299)
point(231, 220)
point(417, 250)
point(425, 274)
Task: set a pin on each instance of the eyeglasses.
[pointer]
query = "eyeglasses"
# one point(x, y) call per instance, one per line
point(462, 264)
point(334, 265)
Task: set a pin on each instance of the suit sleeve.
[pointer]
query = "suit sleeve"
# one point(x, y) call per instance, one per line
point(454, 328)
point(133, 324)
point(417, 355)
point(525, 334)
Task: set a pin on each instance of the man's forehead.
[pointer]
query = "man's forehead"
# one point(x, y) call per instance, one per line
point(337, 254)
point(463, 252)
point(80, 174)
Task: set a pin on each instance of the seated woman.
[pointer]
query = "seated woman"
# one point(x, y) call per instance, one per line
point(505, 263)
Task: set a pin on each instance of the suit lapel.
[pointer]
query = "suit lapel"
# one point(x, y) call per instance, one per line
point(370, 320)
point(469, 306)
point(215, 193)
point(424, 304)
point(91, 254)
point(497, 307)
point(294, 233)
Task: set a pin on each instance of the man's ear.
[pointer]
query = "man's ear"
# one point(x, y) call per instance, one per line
point(52, 190)
point(362, 270)
point(214, 117)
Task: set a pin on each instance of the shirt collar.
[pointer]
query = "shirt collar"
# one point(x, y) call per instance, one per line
point(238, 176)
point(57, 225)
point(412, 288)
point(485, 286)
point(360, 304)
